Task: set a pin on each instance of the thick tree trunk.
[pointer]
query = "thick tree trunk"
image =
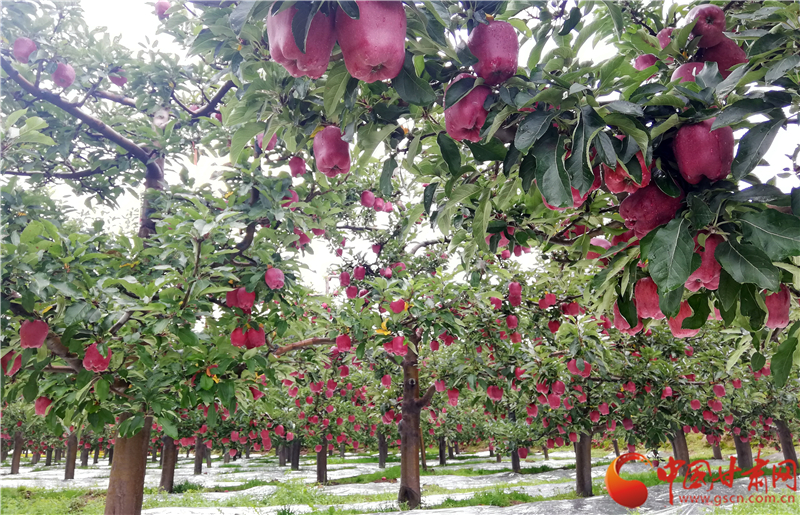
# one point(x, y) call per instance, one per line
point(155, 454)
point(616, 446)
point(423, 457)
point(247, 451)
point(515, 461)
point(199, 447)
point(457, 449)
point(96, 455)
point(281, 455)
point(169, 458)
point(207, 452)
point(16, 457)
point(126, 482)
point(59, 452)
point(110, 456)
point(546, 453)
point(48, 457)
point(744, 453)
point(583, 466)
point(187, 452)
point(85, 457)
point(35, 457)
point(341, 449)
point(680, 450)
point(410, 492)
point(296, 454)
point(72, 455)
point(787, 446)
point(442, 451)
point(491, 452)
point(226, 456)
point(383, 450)
point(322, 467)
point(717, 452)
point(3, 450)
point(498, 458)
point(450, 453)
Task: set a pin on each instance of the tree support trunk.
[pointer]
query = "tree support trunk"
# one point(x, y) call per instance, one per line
point(16, 457)
point(442, 451)
point(58, 455)
point(491, 452)
point(787, 446)
point(410, 492)
point(546, 453)
point(515, 461)
point(583, 466)
point(155, 454)
point(681, 451)
point(281, 455)
point(48, 457)
point(35, 458)
point(498, 458)
point(199, 447)
point(744, 453)
point(341, 449)
point(322, 467)
point(455, 446)
point(85, 457)
point(72, 454)
point(422, 455)
point(616, 446)
point(383, 449)
point(717, 452)
point(296, 454)
point(450, 453)
point(226, 456)
point(96, 456)
point(207, 452)
point(126, 482)
point(169, 458)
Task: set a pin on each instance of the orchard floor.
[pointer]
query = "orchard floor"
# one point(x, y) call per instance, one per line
point(470, 484)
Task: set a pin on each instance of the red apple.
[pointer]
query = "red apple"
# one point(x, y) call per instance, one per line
point(274, 278)
point(687, 72)
point(701, 152)
point(622, 325)
point(94, 361)
point(619, 181)
point(161, 9)
point(464, 120)
point(727, 54)
point(710, 24)
point(496, 47)
point(64, 75)
point(367, 198)
point(23, 48)
point(297, 166)
point(314, 61)
point(41, 405)
point(373, 46)
point(331, 152)
point(645, 61)
point(675, 323)
point(708, 274)
point(664, 37)
point(32, 333)
point(646, 298)
point(778, 305)
point(648, 208)
point(119, 80)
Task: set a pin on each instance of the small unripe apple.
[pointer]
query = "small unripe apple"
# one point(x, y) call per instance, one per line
point(727, 54)
point(687, 72)
point(23, 48)
point(647, 208)
point(373, 46)
point(64, 75)
point(297, 166)
point(161, 9)
point(645, 61)
point(285, 52)
point(710, 24)
point(331, 152)
point(464, 120)
point(496, 47)
point(701, 152)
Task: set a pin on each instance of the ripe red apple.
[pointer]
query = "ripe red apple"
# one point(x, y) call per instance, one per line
point(23, 48)
point(464, 120)
point(374, 45)
point(359, 273)
point(116, 78)
point(297, 166)
point(646, 298)
point(619, 181)
point(496, 47)
point(378, 205)
point(710, 24)
point(319, 44)
point(675, 323)
point(623, 326)
point(274, 278)
point(260, 140)
point(64, 75)
point(664, 37)
point(727, 54)
point(41, 405)
point(598, 242)
point(238, 338)
point(367, 198)
point(256, 337)
point(11, 363)
point(701, 152)
point(32, 333)
point(778, 305)
point(645, 61)
point(708, 274)
point(648, 208)
point(331, 152)
point(94, 361)
point(161, 9)
point(687, 72)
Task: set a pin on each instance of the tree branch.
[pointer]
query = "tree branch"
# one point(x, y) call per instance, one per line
point(427, 243)
point(211, 105)
point(310, 342)
point(67, 176)
point(426, 399)
point(114, 97)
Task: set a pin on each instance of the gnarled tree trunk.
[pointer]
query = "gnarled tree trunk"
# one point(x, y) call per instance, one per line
point(126, 482)
point(58, 454)
point(787, 446)
point(744, 453)
point(16, 457)
point(72, 455)
point(583, 466)
point(169, 458)
point(383, 449)
point(322, 467)
point(410, 491)
point(680, 450)
point(199, 447)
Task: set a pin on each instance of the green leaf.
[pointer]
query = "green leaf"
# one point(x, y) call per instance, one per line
point(795, 201)
point(671, 255)
point(740, 110)
point(700, 312)
point(370, 142)
point(450, 152)
point(512, 156)
point(670, 302)
point(243, 136)
point(551, 176)
point(570, 23)
point(665, 183)
point(767, 43)
point(412, 88)
point(616, 17)
point(578, 165)
point(31, 389)
point(482, 216)
point(753, 146)
point(335, 86)
point(532, 127)
point(750, 307)
point(31, 231)
point(747, 264)
point(494, 150)
point(605, 149)
point(187, 336)
point(625, 107)
point(781, 363)
point(776, 233)
point(386, 177)
point(169, 428)
point(240, 15)
point(527, 171)
point(301, 22)
point(734, 357)
point(629, 127)
point(779, 70)
point(757, 361)
point(101, 389)
point(428, 196)
point(458, 90)
point(350, 8)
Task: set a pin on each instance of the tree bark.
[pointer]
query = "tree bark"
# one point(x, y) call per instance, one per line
point(457, 449)
point(96, 455)
point(423, 457)
point(226, 456)
point(247, 451)
point(84, 457)
point(58, 455)
point(154, 458)
point(410, 492)
point(450, 453)
point(35, 457)
point(680, 450)
point(207, 452)
point(199, 447)
point(583, 466)
point(491, 452)
point(296, 454)
point(717, 452)
point(111, 456)
point(322, 467)
point(126, 482)
point(787, 446)
point(616, 446)
point(16, 457)
point(515, 461)
point(498, 458)
point(3, 450)
point(383, 449)
point(546, 452)
point(72, 454)
point(442, 451)
point(744, 453)
point(341, 449)
point(48, 457)
point(282, 455)
point(169, 458)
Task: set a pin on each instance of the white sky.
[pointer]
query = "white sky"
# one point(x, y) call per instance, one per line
point(135, 20)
